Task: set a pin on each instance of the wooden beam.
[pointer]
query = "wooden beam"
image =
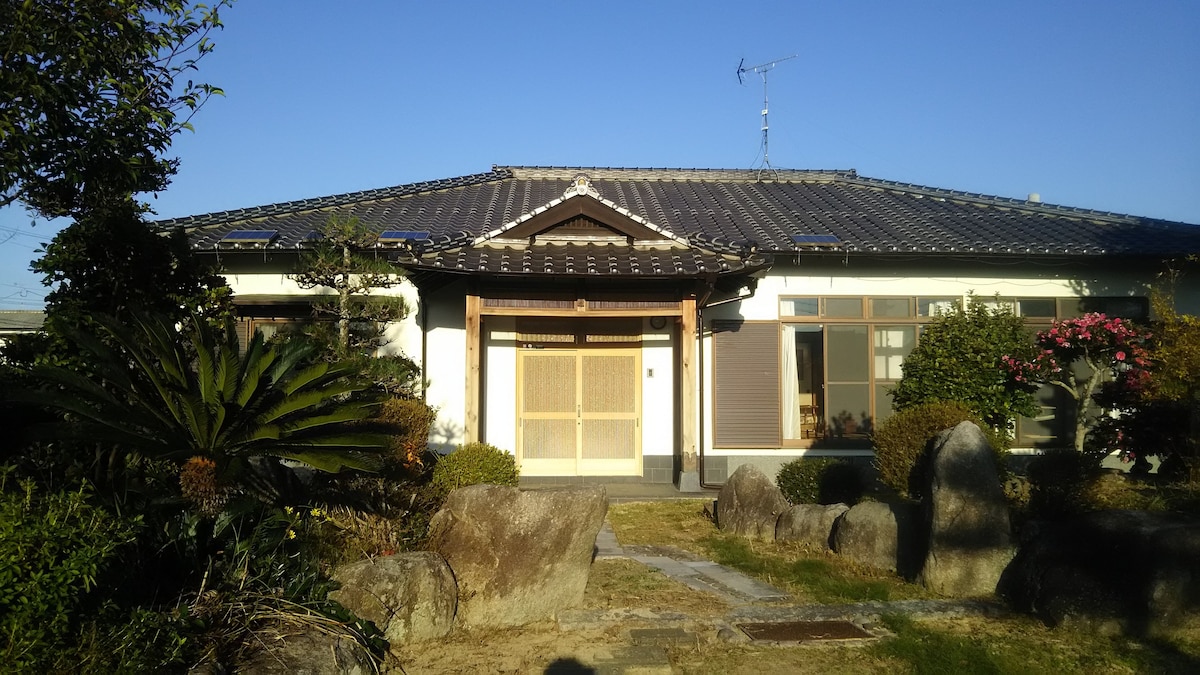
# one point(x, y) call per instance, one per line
point(687, 387)
point(474, 331)
point(576, 312)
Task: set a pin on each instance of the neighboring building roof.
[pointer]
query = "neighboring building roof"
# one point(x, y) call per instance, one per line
point(21, 320)
point(718, 211)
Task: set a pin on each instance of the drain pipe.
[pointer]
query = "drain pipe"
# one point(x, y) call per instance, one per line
point(753, 287)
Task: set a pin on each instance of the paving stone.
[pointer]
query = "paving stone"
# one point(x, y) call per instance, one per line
point(663, 637)
point(607, 545)
point(635, 660)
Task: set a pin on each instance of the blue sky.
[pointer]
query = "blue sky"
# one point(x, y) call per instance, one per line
point(1091, 104)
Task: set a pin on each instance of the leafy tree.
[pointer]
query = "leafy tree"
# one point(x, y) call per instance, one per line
point(961, 357)
point(90, 98)
point(360, 316)
point(193, 401)
point(1078, 356)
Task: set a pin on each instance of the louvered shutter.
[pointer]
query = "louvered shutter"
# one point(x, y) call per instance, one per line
point(746, 384)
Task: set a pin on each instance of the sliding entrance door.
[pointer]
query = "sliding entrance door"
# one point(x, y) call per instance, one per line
point(579, 412)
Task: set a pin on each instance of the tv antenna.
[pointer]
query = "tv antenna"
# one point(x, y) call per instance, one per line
point(762, 70)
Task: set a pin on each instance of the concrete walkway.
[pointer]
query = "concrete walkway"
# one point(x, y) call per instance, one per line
point(751, 600)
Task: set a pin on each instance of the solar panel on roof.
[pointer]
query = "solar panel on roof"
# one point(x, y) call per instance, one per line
point(250, 236)
point(389, 236)
point(815, 239)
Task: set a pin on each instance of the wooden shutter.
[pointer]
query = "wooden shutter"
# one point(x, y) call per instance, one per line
point(746, 384)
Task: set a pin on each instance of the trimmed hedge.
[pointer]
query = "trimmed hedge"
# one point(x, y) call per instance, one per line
point(821, 480)
point(902, 442)
point(474, 464)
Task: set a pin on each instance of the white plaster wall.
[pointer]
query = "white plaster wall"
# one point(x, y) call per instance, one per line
point(658, 390)
point(500, 382)
point(446, 367)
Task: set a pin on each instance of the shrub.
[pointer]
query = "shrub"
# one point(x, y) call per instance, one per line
point(411, 419)
point(821, 480)
point(52, 549)
point(474, 464)
point(961, 356)
point(1058, 481)
point(902, 441)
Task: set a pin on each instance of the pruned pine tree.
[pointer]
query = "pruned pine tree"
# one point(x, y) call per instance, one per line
point(340, 265)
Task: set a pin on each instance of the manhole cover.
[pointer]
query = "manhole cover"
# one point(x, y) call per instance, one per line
point(801, 631)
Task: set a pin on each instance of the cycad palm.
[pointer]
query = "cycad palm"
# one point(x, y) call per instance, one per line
point(189, 397)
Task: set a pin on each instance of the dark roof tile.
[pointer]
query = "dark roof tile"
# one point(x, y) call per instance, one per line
point(728, 210)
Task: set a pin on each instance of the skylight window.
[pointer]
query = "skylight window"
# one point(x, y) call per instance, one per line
point(259, 237)
point(815, 239)
point(403, 236)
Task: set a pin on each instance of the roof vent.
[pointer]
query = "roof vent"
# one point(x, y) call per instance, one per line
point(1034, 198)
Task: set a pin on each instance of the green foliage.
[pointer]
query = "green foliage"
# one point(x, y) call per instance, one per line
point(474, 464)
point(820, 480)
point(902, 442)
point(826, 582)
point(53, 549)
point(960, 357)
point(1058, 481)
point(113, 263)
point(92, 99)
point(351, 325)
point(410, 419)
point(194, 401)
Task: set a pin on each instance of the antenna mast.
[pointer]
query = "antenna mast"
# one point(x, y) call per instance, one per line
point(762, 69)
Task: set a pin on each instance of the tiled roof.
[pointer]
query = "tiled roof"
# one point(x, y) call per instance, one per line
point(21, 320)
point(723, 212)
point(584, 260)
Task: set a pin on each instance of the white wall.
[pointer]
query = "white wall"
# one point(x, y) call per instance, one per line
point(500, 382)
point(658, 389)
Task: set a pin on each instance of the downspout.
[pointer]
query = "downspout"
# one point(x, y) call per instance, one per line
point(423, 313)
point(700, 307)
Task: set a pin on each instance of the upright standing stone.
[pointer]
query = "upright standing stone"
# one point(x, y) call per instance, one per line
point(970, 540)
point(518, 557)
point(749, 504)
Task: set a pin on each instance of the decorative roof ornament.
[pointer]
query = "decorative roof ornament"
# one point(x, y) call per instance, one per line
point(581, 185)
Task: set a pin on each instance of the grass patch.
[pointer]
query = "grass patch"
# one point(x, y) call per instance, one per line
point(620, 582)
point(817, 578)
point(809, 575)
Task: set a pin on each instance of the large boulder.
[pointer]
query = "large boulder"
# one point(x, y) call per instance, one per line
point(1108, 570)
point(970, 540)
point(518, 557)
point(749, 504)
point(811, 524)
point(408, 596)
point(312, 653)
point(879, 535)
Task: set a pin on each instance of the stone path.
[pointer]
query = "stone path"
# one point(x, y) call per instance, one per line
point(752, 601)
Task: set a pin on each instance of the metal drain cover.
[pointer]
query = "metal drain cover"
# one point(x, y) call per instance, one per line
point(804, 631)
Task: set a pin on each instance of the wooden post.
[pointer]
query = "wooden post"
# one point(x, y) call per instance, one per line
point(471, 407)
point(687, 387)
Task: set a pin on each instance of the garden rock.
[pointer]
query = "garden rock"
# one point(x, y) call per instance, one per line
point(969, 531)
point(308, 654)
point(518, 557)
point(810, 524)
point(879, 535)
point(749, 504)
point(1134, 570)
point(409, 596)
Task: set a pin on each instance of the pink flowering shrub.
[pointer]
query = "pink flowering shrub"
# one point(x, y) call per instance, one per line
point(1082, 356)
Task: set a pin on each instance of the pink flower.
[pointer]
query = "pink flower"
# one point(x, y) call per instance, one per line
point(1120, 356)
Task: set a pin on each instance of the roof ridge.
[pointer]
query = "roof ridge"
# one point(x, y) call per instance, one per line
point(313, 203)
point(666, 173)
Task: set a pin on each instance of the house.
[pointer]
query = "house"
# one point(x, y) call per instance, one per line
point(668, 325)
point(18, 321)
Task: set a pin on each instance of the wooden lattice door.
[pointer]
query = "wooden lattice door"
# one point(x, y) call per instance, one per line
point(579, 412)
